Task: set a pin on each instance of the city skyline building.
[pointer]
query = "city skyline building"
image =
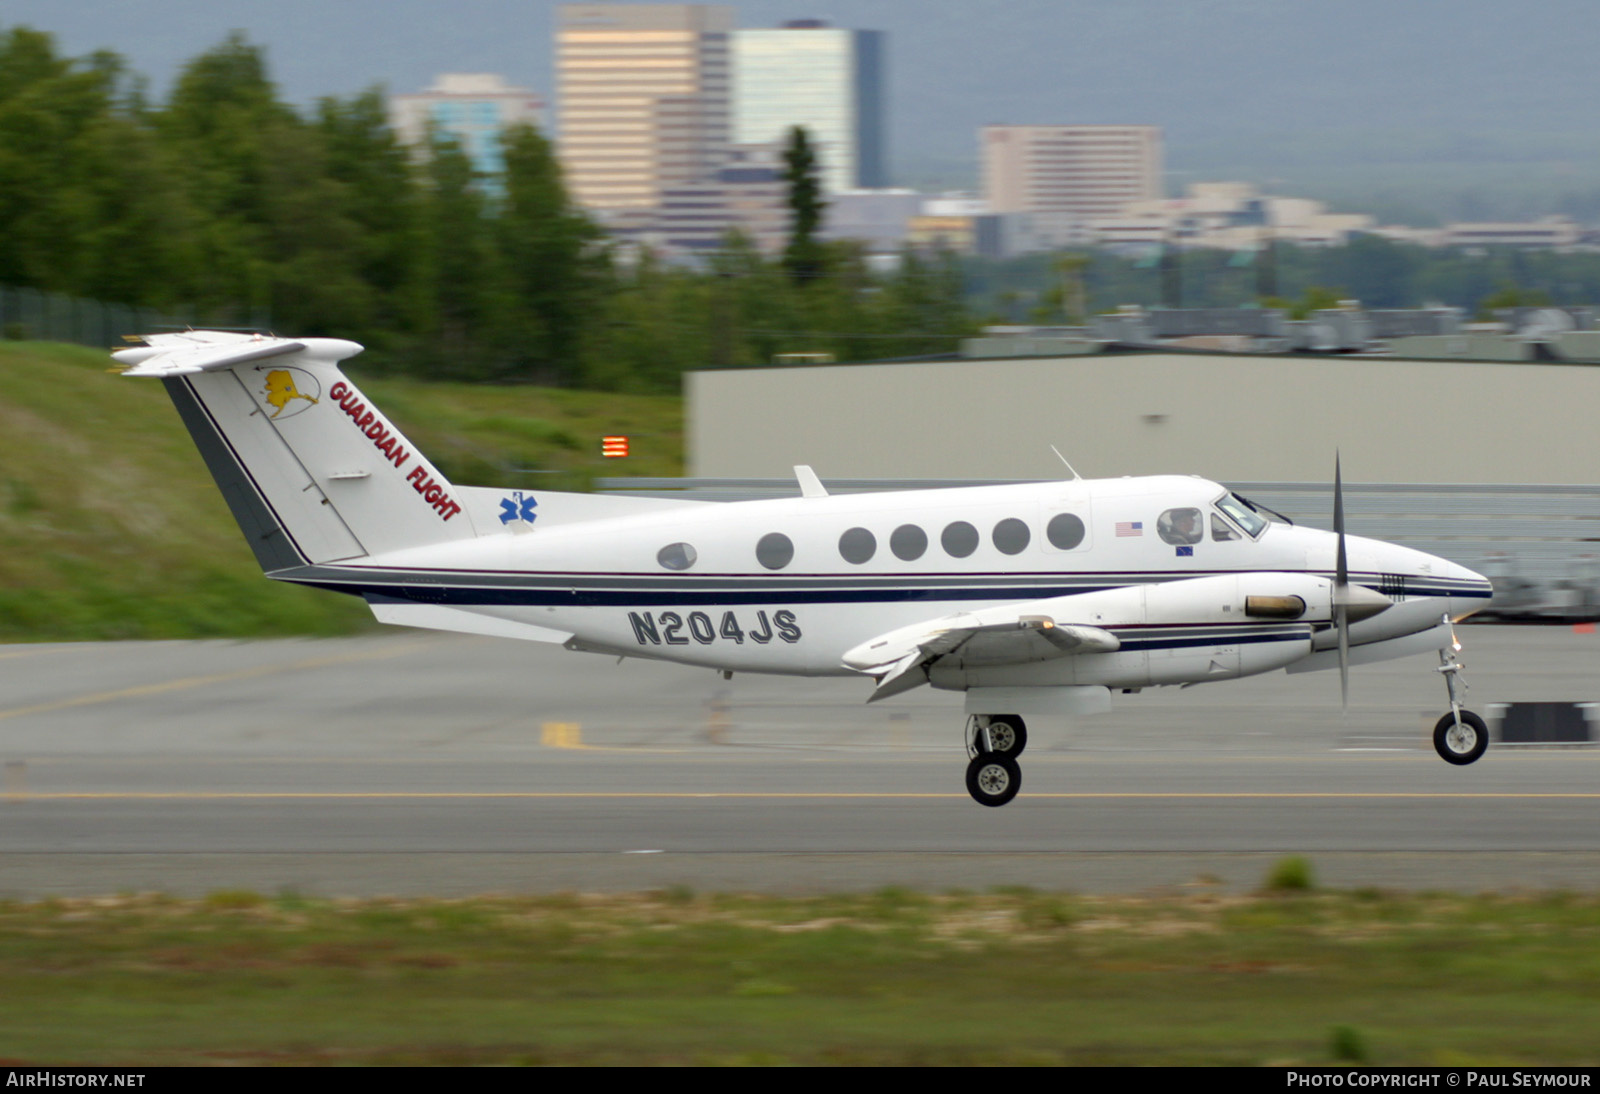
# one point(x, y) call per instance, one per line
point(642, 98)
point(746, 194)
point(829, 80)
point(473, 108)
point(1070, 172)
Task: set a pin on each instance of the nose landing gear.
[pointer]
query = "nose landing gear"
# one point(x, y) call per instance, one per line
point(1460, 737)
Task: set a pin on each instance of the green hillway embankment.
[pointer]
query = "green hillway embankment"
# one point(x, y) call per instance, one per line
point(110, 526)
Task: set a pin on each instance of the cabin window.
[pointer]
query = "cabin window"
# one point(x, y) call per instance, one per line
point(676, 556)
point(908, 542)
point(1180, 526)
point(1011, 536)
point(1065, 531)
point(959, 539)
point(857, 546)
point(1221, 530)
point(774, 550)
point(1245, 517)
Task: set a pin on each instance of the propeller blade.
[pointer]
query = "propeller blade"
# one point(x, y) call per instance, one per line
point(1344, 657)
point(1341, 587)
point(1341, 576)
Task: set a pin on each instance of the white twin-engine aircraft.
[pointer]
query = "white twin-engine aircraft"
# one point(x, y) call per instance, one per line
point(1032, 599)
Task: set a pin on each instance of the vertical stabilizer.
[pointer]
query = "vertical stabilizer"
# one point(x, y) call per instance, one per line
point(312, 471)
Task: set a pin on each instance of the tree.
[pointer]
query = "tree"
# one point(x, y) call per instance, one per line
point(553, 257)
point(225, 122)
point(803, 174)
point(463, 287)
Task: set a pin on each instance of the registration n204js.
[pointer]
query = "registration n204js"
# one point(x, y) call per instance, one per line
point(678, 629)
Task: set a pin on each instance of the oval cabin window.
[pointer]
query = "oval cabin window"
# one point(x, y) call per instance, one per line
point(959, 540)
point(1011, 536)
point(908, 542)
point(857, 546)
point(1065, 531)
point(774, 551)
point(676, 556)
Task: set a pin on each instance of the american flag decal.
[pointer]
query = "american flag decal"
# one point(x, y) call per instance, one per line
point(1130, 527)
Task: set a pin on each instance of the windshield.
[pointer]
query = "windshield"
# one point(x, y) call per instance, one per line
point(1264, 510)
point(1242, 514)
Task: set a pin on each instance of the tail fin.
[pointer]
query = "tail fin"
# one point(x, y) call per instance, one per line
point(312, 471)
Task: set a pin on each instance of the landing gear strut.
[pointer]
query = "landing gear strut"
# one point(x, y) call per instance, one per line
point(1460, 736)
point(994, 741)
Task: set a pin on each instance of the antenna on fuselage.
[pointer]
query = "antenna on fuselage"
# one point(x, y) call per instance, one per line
point(1064, 462)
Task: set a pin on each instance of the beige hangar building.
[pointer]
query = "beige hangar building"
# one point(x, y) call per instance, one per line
point(1229, 417)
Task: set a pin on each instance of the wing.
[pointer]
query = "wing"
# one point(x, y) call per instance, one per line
point(1007, 635)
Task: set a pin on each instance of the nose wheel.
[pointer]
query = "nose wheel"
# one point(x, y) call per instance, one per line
point(994, 741)
point(1460, 742)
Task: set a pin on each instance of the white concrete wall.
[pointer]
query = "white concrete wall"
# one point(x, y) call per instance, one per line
point(1242, 418)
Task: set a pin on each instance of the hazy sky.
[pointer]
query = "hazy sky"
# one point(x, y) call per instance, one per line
point(1381, 79)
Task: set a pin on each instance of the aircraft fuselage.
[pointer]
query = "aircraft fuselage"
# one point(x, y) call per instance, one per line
point(791, 585)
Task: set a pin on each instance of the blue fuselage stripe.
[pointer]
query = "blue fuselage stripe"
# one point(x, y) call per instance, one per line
point(655, 596)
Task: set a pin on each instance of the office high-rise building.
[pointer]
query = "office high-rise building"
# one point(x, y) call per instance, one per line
point(642, 98)
point(824, 78)
point(1079, 171)
point(474, 109)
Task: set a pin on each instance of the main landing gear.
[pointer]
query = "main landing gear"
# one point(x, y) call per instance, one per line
point(994, 741)
point(1460, 736)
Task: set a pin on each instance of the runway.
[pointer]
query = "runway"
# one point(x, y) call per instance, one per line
point(422, 764)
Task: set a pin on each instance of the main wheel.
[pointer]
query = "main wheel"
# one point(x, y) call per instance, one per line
point(993, 778)
point(1008, 734)
point(1460, 744)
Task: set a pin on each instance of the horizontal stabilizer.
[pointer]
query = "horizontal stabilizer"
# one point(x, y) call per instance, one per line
point(191, 356)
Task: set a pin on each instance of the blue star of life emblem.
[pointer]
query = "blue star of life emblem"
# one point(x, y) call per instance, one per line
point(518, 506)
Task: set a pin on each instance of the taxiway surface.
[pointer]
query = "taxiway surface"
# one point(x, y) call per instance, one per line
point(415, 763)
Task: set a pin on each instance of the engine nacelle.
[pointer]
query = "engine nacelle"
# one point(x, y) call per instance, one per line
point(1205, 628)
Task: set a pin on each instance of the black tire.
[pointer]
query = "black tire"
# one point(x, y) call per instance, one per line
point(1008, 733)
point(1465, 745)
point(993, 779)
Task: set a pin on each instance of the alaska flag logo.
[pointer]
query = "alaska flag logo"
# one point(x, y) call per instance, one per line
point(519, 506)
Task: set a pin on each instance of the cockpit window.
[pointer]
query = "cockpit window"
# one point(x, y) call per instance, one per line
point(1221, 530)
point(1180, 526)
point(1243, 515)
point(1265, 510)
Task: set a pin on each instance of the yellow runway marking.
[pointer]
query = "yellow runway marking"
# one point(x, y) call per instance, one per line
point(405, 795)
point(8, 654)
point(561, 735)
point(213, 678)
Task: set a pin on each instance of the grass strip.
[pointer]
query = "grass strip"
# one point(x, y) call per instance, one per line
point(111, 528)
point(894, 977)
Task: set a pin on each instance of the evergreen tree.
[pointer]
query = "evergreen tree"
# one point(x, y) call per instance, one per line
point(803, 174)
point(552, 255)
point(225, 122)
point(464, 292)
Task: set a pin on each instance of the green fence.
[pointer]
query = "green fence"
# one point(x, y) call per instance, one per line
point(50, 317)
